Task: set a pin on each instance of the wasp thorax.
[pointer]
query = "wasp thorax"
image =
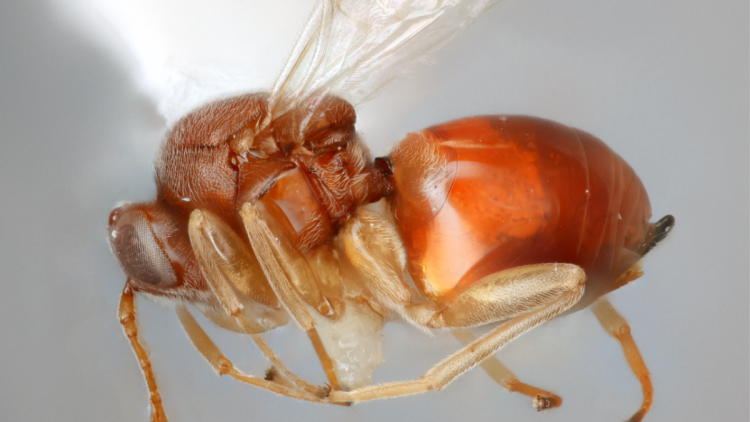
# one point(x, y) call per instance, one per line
point(306, 164)
point(329, 175)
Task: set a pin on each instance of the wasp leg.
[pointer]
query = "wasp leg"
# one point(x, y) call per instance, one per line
point(618, 328)
point(523, 297)
point(503, 376)
point(220, 256)
point(223, 366)
point(127, 315)
point(290, 277)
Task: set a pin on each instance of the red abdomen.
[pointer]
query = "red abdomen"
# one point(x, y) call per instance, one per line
point(479, 195)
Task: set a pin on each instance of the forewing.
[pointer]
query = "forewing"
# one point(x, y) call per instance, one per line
point(351, 48)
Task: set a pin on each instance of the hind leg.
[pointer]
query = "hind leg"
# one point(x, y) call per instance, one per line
point(523, 297)
point(541, 399)
point(618, 328)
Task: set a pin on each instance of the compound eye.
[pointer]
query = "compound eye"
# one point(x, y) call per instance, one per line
point(139, 251)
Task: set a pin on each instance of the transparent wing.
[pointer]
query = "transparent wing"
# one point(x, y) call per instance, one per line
point(184, 53)
point(351, 48)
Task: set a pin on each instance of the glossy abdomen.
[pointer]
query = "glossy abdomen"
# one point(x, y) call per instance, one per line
point(479, 195)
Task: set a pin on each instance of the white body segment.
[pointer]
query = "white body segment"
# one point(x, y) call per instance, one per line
point(354, 343)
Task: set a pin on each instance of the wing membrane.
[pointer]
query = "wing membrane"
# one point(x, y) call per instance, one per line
point(351, 48)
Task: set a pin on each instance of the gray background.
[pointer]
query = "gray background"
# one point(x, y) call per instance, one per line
point(664, 82)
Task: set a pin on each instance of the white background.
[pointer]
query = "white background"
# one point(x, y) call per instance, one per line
point(664, 82)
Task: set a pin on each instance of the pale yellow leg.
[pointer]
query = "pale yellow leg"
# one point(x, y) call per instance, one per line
point(541, 399)
point(524, 297)
point(127, 316)
point(453, 366)
point(206, 233)
point(223, 366)
point(618, 328)
point(289, 274)
point(223, 255)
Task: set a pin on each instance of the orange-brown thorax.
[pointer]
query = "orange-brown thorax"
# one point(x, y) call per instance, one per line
point(479, 195)
point(307, 168)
